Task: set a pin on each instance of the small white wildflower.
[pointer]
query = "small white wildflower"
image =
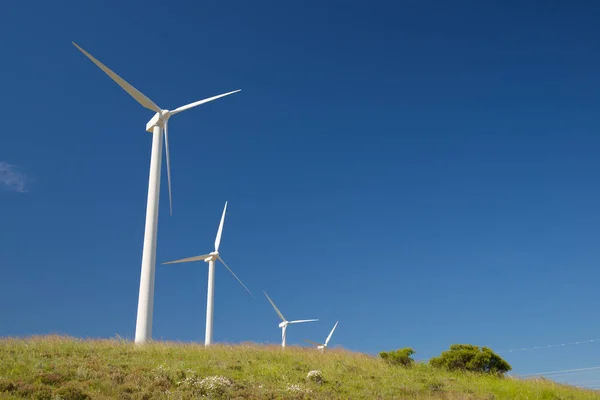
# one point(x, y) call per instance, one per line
point(160, 371)
point(297, 389)
point(188, 382)
point(213, 384)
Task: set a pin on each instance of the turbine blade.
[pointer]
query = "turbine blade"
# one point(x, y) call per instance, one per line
point(197, 103)
point(168, 166)
point(235, 276)
point(189, 259)
point(331, 333)
point(275, 307)
point(133, 92)
point(220, 231)
point(303, 320)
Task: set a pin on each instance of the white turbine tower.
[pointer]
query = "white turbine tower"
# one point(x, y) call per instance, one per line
point(210, 259)
point(322, 346)
point(143, 328)
point(284, 324)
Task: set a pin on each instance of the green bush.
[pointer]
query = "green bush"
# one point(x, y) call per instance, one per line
point(466, 357)
point(399, 357)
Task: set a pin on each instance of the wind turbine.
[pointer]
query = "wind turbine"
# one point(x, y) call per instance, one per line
point(143, 327)
point(284, 324)
point(322, 346)
point(210, 258)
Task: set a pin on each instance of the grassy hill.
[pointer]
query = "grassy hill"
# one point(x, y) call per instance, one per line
point(53, 366)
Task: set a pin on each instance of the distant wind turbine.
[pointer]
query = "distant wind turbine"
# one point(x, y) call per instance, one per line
point(284, 324)
point(143, 328)
point(322, 346)
point(210, 259)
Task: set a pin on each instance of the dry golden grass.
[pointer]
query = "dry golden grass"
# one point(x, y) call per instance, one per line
point(53, 367)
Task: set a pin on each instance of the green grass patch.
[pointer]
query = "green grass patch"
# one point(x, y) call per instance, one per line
point(55, 367)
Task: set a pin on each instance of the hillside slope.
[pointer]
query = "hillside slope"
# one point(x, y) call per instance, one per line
point(53, 366)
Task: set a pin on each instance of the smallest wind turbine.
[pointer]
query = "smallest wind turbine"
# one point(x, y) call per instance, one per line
point(322, 346)
point(284, 324)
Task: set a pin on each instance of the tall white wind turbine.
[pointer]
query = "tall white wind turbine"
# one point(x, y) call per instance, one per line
point(322, 346)
point(284, 324)
point(210, 259)
point(143, 328)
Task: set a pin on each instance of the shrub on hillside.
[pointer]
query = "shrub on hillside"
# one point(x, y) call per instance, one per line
point(466, 357)
point(399, 357)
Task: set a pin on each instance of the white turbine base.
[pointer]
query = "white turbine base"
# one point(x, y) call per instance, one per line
point(143, 327)
point(210, 303)
point(283, 336)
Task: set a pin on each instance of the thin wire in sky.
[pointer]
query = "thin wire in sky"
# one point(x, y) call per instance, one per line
point(560, 372)
point(514, 350)
point(547, 346)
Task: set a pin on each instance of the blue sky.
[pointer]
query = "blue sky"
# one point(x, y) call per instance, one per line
point(426, 174)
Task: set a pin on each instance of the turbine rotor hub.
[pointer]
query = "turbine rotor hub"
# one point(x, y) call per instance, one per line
point(214, 255)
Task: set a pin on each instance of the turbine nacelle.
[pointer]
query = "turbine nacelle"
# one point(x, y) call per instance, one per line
point(283, 324)
point(158, 119)
point(212, 256)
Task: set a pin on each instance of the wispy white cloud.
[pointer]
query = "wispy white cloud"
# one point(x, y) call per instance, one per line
point(11, 178)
